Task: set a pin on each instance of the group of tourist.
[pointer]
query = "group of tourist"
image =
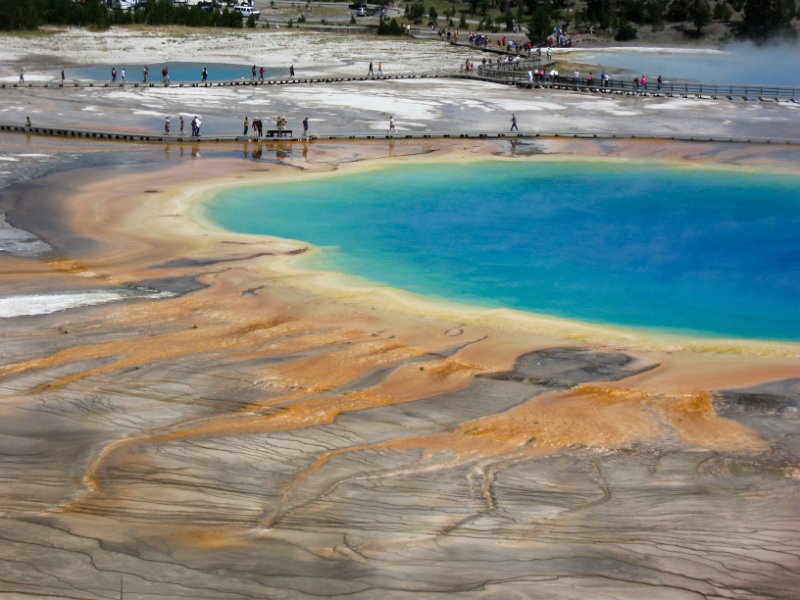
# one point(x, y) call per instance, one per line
point(503, 43)
point(549, 53)
point(510, 45)
point(122, 77)
point(640, 84)
point(195, 125)
point(258, 126)
point(540, 76)
point(371, 72)
point(164, 74)
point(559, 37)
point(480, 40)
point(260, 72)
point(257, 74)
point(502, 62)
point(516, 46)
point(118, 74)
point(446, 33)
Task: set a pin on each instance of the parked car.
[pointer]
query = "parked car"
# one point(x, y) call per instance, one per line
point(361, 12)
point(246, 11)
point(130, 4)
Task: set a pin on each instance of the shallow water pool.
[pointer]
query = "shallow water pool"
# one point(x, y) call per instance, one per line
point(178, 71)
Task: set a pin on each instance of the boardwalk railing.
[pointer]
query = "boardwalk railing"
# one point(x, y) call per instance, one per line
point(54, 83)
point(684, 88)
point(511, 72)
point(517, 74)
point(514, 66)
point(121, 136)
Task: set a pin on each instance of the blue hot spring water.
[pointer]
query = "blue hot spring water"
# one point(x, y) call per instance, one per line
point(739, 64)
point(675, 249)
point(178, 71)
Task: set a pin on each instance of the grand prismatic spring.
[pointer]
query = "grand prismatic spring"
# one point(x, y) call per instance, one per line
point(545, 367)
point(709, 251)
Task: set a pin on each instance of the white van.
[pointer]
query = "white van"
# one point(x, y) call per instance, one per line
point(246, 11)
point(129, 4)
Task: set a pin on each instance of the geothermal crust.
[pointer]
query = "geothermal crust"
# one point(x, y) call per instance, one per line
point(189, 412)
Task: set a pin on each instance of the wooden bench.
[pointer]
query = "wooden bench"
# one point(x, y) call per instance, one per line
point(279, 132)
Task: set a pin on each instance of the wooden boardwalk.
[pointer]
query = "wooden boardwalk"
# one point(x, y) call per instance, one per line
point(516, 74)
point(57, 84)
point(507, 73)
point(125, 136)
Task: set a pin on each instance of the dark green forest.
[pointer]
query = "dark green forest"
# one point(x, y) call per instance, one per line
point(755, 19)
point(761, 20)
point(30, 14)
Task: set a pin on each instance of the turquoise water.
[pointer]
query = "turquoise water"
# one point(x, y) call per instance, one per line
point(177, 72)
point(769, 66)
point(656, 247)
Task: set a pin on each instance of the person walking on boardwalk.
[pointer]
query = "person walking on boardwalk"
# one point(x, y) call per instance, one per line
point(253, 71)
point(261, 74)
point(180, 118)
point(28, 121)
point(122, 75)
point(204, 75)
point(380, 69)
point(305, 126)
point(113, 74)
point(514, 122)
point(21, 75)
point(392, 128)
point(291, 70)
point(145, 74)
point(166, 126)
point(370, 73)
point(246, 125)
point(63, 77)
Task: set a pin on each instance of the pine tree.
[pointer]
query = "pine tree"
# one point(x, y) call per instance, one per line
point(700, 13)
point(541, 23)
point(765, 18)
